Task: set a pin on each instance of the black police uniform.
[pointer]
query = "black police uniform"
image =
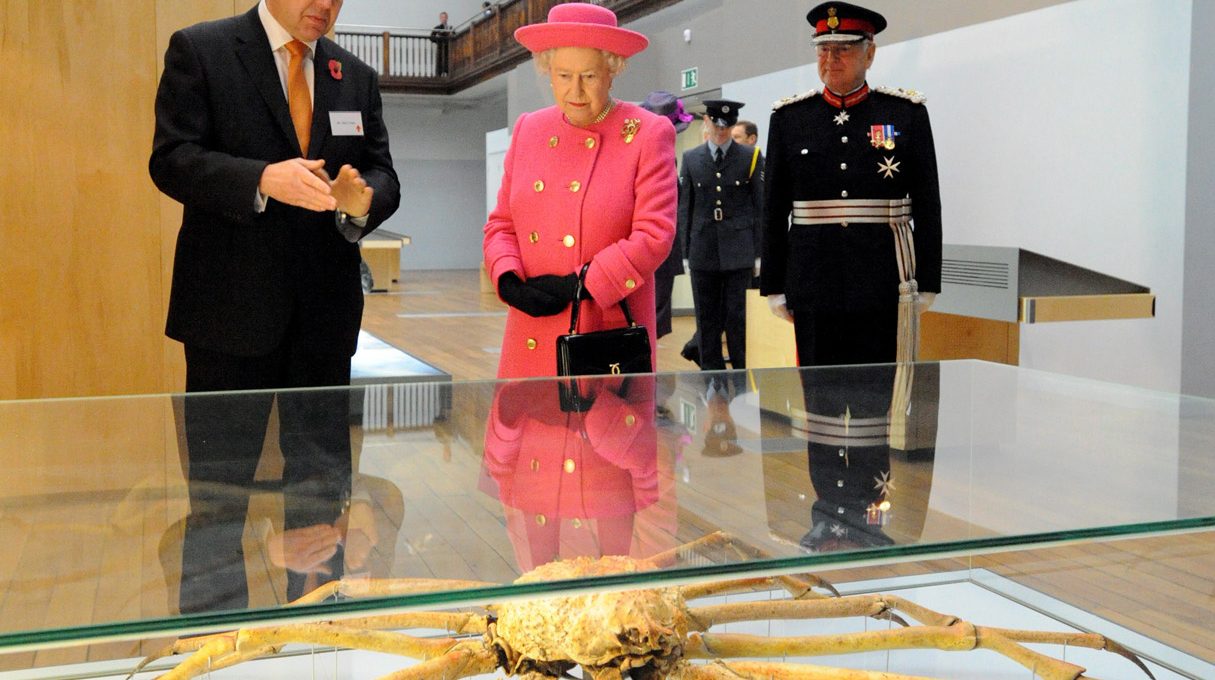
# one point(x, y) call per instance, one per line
point(720, 208)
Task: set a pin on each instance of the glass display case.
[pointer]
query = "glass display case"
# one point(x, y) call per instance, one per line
point(1007, 497)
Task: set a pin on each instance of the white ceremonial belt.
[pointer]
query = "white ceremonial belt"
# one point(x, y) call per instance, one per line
point(877, 211)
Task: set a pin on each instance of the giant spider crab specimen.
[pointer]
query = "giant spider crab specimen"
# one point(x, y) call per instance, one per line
point(647, 634)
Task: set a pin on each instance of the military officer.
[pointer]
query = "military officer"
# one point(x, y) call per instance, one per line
point(854, 167)
point(720, 203)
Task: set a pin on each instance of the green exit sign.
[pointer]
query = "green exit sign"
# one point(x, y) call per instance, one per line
point(690, 77)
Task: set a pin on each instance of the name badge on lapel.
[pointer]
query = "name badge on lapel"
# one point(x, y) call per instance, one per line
point(346, 123)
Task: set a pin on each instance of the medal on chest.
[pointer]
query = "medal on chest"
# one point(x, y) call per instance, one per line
point(882, 136)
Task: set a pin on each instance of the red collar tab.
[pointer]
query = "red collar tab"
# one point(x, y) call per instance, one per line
point(856, 97)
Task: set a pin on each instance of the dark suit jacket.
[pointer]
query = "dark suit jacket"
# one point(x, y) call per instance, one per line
point(242, 279)
point(733, 242)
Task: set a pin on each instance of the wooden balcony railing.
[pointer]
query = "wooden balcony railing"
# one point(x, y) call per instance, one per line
point(477, 50)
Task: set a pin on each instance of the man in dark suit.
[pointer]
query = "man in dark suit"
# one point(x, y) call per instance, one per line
point(720, 191)
point(441, 37)
point(272, 138)
point(851, 171)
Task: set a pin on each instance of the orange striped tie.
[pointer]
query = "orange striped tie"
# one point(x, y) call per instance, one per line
point(298, 97)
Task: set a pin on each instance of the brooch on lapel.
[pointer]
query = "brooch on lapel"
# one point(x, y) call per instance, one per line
point(629, 131)
point(335, 69)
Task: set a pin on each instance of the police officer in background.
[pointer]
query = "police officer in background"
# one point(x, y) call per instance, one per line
point(855, 168)
point(720, 205)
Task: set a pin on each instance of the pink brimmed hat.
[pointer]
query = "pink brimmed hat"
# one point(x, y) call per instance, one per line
point(580, 24)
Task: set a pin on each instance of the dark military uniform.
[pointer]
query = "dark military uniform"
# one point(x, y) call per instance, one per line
point(845, 425)
point(844, 169)
point(719, 230)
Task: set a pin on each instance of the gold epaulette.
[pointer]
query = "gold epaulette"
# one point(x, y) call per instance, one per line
point(795, 98)
point(911, 95)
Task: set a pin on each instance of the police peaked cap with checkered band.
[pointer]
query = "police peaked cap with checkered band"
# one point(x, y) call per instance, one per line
point(723, 112)
point(842, 22)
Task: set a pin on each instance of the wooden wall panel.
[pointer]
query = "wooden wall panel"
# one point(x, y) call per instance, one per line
point(86, 241)
point(81, 262)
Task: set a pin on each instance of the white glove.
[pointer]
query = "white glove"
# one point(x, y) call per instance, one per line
point(925, 301)
point(779, 307)
point(755, 271)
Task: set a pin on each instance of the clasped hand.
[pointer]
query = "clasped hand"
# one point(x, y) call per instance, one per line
point(544, 295)
point(304, 183)
point(307, 550)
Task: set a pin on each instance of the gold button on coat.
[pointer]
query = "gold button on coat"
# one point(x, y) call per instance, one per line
point(535, 465)
point(552, 141)
point(590, 142)
point(630, 419)
point(539, 185)
point(569, 465)
point(541, 520)
point(531, 343)
point(575, 186)
point(630, 284)
point(568, 241)
point(577, 523)
point(534, 237)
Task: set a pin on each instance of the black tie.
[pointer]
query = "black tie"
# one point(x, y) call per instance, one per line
point(717, 155)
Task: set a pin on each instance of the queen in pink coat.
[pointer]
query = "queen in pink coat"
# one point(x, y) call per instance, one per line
point(587, 181)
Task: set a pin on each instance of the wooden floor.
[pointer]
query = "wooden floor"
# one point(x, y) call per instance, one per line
point(443, 318)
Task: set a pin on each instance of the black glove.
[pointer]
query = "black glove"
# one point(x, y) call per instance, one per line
point(562, 287)
point(528, 299)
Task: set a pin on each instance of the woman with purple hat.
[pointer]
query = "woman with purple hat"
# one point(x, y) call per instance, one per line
point(666, 104)
point(588, 182)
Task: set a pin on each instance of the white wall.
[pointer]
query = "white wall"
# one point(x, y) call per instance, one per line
point(1062, 132)
point(438, 150)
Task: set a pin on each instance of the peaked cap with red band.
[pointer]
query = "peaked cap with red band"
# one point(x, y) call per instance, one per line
point(842, 22)
point(581, 24)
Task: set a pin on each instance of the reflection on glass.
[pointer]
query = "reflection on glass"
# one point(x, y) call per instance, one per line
point(574, 482)
point(864, 427)
point(322, 524)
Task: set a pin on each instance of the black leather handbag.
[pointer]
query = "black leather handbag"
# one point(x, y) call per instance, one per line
point(611, 352)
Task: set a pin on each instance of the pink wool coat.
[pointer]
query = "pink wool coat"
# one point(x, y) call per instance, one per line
point(573, 195)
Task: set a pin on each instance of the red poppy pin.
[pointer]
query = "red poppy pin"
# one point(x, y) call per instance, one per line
point(335, 69)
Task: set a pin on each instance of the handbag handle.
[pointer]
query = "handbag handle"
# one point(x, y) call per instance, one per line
point(628, 318)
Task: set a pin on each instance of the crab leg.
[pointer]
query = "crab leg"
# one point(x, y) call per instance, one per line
point(799, 587)
point(942, 631)
point(464, 661)
point(960, 637)
point(363, 587)
point(703, 618)
point(232, 648)
point(757, 670)
point(454, 622)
